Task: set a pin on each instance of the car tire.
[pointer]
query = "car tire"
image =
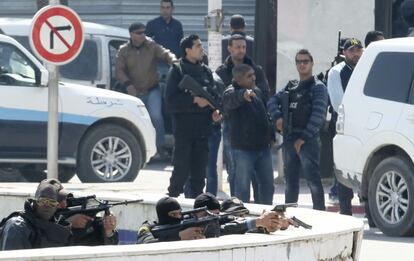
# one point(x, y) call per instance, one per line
point(33, 174)
point(109, 153)
point(391, 196)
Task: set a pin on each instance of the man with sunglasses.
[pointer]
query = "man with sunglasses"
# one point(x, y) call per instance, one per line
point(86, 230)
point(34, 227)
point(306, 108)
point(136, 69)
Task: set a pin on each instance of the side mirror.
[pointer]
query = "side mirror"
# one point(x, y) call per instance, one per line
point(44, 77)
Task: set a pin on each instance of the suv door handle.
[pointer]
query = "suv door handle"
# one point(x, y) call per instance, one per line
point(102, 86)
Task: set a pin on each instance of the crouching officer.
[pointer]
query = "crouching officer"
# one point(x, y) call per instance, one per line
point(86, 230)
point(236, 223)
point(168, 213)
point(34, 227)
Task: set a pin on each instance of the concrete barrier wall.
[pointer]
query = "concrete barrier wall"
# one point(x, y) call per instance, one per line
point(333, 237)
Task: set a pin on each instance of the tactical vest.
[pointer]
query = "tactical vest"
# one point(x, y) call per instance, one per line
point(300, 103)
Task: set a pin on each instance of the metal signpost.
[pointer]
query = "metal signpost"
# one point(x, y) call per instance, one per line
point(56, 37)
point(214, 24)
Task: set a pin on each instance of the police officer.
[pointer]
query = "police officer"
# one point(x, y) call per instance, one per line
point(307, 104)
point(169, 213)
point(86, 230)
point(34, 227)
point(192, 116)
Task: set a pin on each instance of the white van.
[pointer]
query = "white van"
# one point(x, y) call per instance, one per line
point(374, 145)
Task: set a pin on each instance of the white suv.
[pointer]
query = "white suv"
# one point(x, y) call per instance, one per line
point(104, 136)
point(374, 145)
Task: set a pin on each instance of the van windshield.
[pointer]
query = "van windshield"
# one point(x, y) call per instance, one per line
point(83, 68)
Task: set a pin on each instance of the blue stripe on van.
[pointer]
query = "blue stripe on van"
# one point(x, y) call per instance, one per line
point(12, 114)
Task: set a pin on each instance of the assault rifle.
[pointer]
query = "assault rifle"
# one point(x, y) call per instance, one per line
point(92, 210)
point(158, 230)
point(188, 83)
point(296, 222)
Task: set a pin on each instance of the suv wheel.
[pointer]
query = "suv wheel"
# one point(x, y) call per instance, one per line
point(391, 196)
point(32, 173)
point(109, 153)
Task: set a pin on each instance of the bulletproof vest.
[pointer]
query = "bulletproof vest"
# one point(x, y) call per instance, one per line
point(300, 102)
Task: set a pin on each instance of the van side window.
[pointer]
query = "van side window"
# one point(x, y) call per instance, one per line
point(113, 51)
point(391, 76)
point(15, 68)
point(85, 65)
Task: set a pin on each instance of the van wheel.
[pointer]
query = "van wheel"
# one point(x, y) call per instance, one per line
point(109, 153)
point(32, 173)
point(391, 196)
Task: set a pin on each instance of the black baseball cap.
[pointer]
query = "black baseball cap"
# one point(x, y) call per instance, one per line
point(207, 200)
point(351, 43)
point(62, 193)
point(232, 204)
point(45, 190)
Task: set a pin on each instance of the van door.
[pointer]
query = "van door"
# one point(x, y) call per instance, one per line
point(23, 107)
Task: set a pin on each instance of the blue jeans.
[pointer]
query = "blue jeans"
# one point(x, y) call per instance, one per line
point(228, 157)
point(213, 146)
point(307, 163)
point(257, 163)
point(153, 102)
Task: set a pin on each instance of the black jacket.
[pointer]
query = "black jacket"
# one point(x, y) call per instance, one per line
point(250, 127)
point(24, 230)
point(225, 73)
point(189, 119)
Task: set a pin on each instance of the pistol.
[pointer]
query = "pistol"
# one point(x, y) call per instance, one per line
point(282, 207)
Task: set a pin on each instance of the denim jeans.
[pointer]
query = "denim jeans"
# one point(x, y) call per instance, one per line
point(257, 163)
point(228, 157)
point(307, 163)
point(153, 102)
point(213, 146)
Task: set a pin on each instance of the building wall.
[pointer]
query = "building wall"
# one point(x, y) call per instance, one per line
point(314, 25)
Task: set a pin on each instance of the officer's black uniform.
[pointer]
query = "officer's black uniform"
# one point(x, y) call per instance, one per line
point(192, 126)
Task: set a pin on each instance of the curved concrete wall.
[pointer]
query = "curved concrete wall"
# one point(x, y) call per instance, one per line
point(333, 237)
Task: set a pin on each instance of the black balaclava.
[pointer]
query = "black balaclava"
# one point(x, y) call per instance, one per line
point(165, 205)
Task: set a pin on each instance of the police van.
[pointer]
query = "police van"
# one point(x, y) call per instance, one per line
point(104, 136)
point(374, 145)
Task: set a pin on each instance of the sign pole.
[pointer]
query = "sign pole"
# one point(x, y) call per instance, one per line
point(52, 123)
point(214, 22)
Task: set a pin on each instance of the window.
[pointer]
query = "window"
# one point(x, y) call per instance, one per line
point(113, 51)
point(83, 68)
point(391, 76)
point(85, 65)
point(15, 67)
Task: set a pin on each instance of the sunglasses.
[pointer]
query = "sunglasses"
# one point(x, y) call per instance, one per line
point(305, 62)
point(47, 202)
point(139, 32)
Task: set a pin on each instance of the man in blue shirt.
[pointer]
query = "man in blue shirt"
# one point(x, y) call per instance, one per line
point(165, 30)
